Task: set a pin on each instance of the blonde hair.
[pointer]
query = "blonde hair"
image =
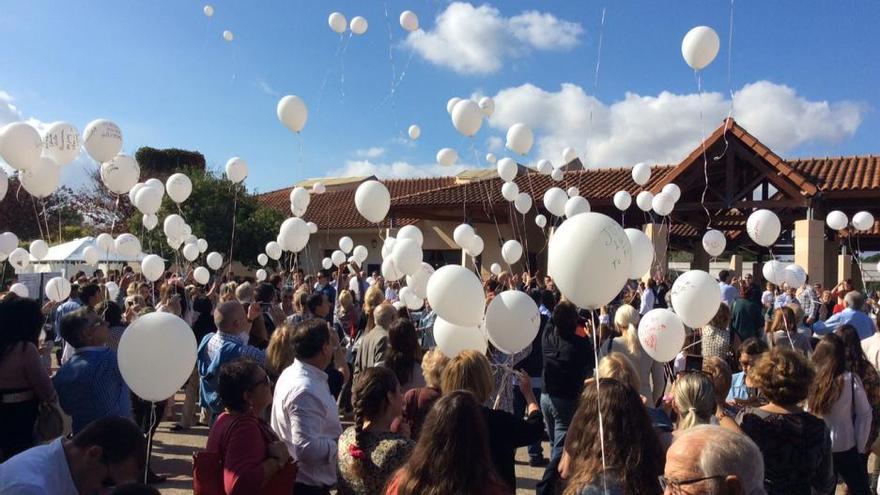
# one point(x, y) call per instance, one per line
point(372, 300)
point(433, 364)
point(227, 291)
point(299, 301)
point(626, 319)
point(694, 398)
point(469, 371)
point(617, 366)
point(280, 353)
point(245, 293)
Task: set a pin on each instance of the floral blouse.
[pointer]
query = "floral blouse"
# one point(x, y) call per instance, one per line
point(384, 453)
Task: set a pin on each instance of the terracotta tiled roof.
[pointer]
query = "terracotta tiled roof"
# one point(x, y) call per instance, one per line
point(844, 173)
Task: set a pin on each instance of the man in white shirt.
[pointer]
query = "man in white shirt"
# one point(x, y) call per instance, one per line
point(729, 293)
point(304, 412)
point(647, 297)
point(107, 452)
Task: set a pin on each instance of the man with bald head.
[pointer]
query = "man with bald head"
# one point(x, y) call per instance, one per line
point(372, 347)
point(710, 460)
point(229, 342)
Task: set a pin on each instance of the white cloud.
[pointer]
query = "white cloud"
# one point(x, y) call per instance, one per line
point(373, 152)
point(394, 170)
point(266, 89)
point(666, 127)
point(495, 144)
point(477, 40)
point(8, 111)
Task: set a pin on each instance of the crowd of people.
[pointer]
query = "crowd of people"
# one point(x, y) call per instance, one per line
point(326, 382)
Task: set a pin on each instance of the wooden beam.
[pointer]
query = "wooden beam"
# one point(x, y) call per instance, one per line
point(772, 175)
point(729, 180)
point(717, 205)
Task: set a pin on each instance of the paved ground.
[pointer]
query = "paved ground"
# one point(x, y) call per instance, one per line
point(172, 456)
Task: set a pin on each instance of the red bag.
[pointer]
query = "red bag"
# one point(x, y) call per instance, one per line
point(208, 474)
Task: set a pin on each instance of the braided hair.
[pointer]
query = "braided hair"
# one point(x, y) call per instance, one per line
point(370, 398)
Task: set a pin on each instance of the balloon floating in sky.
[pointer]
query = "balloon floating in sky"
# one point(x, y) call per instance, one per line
point(641, 173)
point(208, 10)
point(763, 226)
point(447, 157)
point(61, 143)
point(292, 112)
point(414, 132)
point(409, 20)
point(358, 25)
point(236, 170)
point(700, 46)
point(337, 22)
point(21, 145)
point(228, 36)
point(520, 138)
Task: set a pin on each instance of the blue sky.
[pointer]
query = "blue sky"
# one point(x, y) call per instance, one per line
point(806, 78)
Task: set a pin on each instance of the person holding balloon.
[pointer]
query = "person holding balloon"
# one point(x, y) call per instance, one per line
point(651, 373)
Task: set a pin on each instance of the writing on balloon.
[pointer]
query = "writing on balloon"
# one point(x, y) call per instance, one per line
point(618, 242)
point(108, 130)
point(650, 341)
point(681, 287)
point(62, 140)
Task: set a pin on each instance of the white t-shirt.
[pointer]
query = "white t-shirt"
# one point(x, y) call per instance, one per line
point(41, 470)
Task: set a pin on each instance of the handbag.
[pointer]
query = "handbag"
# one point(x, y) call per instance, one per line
point(51, 422)
point(208, 473)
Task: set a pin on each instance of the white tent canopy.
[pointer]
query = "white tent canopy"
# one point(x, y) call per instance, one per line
point(68, 257)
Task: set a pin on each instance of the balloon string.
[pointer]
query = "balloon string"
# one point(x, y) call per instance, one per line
point(699, 79)
point(342, 70)
point(729, 83)
point(399, 79)
point(46, 220)
point(393, 68)
point(150, 437)
point(595, 320)
point(595, 85)
point(232, 237)
point(327, 75)
point(37, 218)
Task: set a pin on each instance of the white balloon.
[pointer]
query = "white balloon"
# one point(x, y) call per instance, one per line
point(390, 270)
point(520, 138)
point(201, 275)
point(61, 143)
point(372, 200)
point(313, 227)
point(150, 221)
point(411, 232)
point(174, 243)
point(39, 249)
point(774, 272)
point(495, 268)
point(173, 225)
point(91, 255)
point(337, 22)
point(409, 20)
point(294, 234)
point(273, 250)
point(763, 226)
point(511, 251)
point(128, 245)
point(8, 242)
point(157, 338)
point(358, 25)
point(191, 252)
point(132, 193)
point(262, 259)
point(208, 10)
point(337, 257)
point(714, 242)
point(214, 260)
point(662, 204)
point(545, 167)
point(557, 174)
point(507, 169)
point(4, 184)
point(862, 220)
point(509, 190)
point(700, 46)
point(105, 242)
point(622, 200)
point(58, 289)
point(836, 220)
point(419, 280)
point(576, 205)
point(360, 254)
point(346, 244)
point(523, 203)
point(454, 339)
point(645, 200)
point(569, 155)
point(641, 173)
point(387, 246)
point(463, 235)
point(42, 178)
point(447, 157)
point(795, 275)
point(102, 140)
point(661, 334)
point(261, 275)
point(202, 244)
point(573, 191)
point(121, 173)
point(642, 253)
point(155, 184)
point(593, 247)
point(236, 169)
point(456, 295)
point(326, 263)
point(412, 301)
point(407, 256)
point(152, 267)
point(451, 104)
point(512, 321)
point(554, 200)
point(292, 112)
point(228, 36)
point(467, 118)
point(20, 145)
point(20, 290)
point(149, 199)
point(541, 221)
point(179, 187)
point(414, 132)
point(487, 106)
point(695, 298)
point(476, 247)
point(673, 190)
point(491, 158)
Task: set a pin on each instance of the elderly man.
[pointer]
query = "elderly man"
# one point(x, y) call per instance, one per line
point(852, 315)
point(374, 343)
point(712, 460)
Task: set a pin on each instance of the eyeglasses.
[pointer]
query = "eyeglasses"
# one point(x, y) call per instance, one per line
point(676, 485)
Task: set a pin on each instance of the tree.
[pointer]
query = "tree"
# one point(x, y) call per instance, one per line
point(162, 163)
point(48, 218)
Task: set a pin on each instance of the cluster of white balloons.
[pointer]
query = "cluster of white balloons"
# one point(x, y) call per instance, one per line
point(456, 295)
point(779, 273)
point(467, 238)
point(467, 115)
point(338, 24)
point(861, 221)
point(561, 203)
point(402, 255)
point(662, 204)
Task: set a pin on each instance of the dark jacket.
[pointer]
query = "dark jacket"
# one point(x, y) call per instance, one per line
point(747, 318)
point(506, 434)
point(568, 361)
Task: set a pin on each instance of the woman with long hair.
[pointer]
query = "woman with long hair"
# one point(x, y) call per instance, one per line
point(651, 373)
point(858, 364)
point(633, 457)
point(403, 355)
point(452, 454)
point(470, 371)
point(280, 352)
point(372, 300)
point(783, 332)
point(369, 452)
point(837, 396)
point(346, 314)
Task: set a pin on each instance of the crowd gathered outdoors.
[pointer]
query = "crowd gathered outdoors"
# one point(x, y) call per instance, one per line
point(326, 382)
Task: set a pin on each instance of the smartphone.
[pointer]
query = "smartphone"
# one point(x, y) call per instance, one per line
point(693, 362)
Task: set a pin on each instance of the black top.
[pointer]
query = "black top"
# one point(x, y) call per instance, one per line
point(568, 361)
point(506, 434)
point(533, 363)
